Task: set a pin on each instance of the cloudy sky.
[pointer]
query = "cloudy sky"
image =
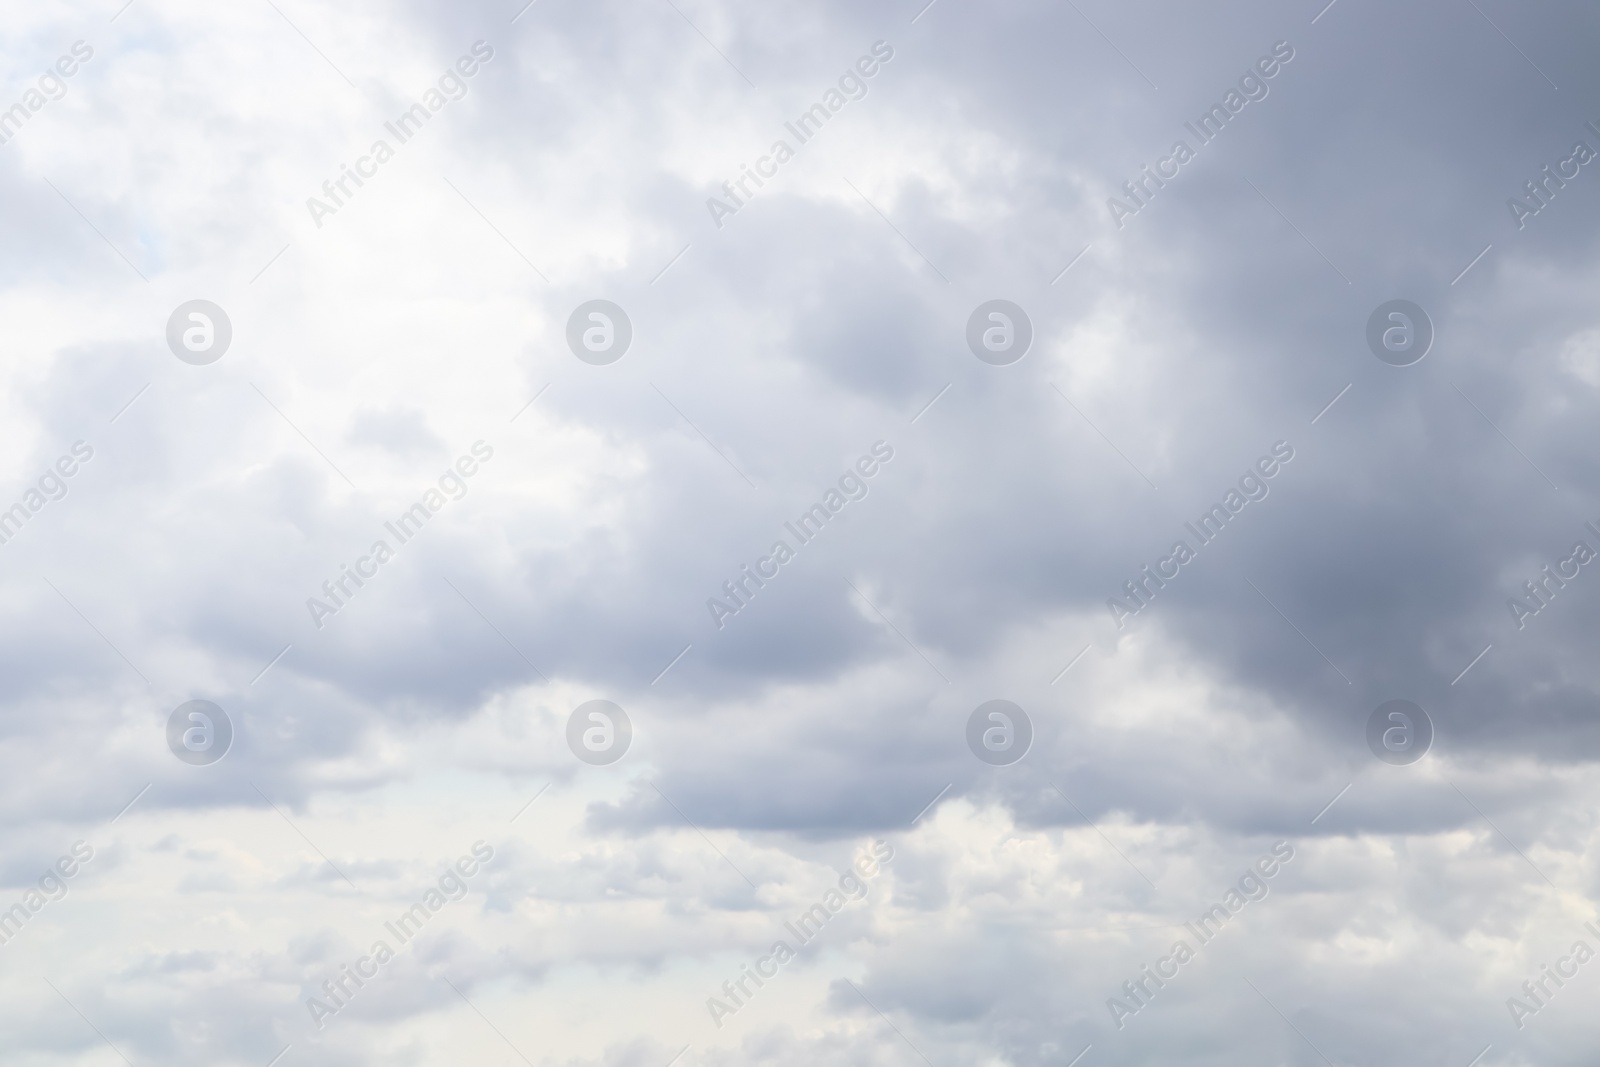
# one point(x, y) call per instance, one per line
point(621, 294)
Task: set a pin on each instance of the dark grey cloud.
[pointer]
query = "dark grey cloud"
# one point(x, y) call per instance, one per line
point(1227, 314)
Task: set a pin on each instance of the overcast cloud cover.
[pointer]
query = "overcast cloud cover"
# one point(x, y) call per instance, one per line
point(1404, 493)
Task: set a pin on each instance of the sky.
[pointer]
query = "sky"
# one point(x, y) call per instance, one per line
point(700, 533)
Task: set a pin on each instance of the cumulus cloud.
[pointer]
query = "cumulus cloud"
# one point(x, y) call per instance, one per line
point(405, 538)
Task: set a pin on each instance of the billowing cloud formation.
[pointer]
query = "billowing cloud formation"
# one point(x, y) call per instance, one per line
point(579, 347)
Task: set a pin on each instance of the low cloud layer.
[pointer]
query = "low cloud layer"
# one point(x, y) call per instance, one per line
point(511, 514)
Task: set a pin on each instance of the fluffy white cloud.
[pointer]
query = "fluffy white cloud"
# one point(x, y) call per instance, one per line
point(384, 329)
